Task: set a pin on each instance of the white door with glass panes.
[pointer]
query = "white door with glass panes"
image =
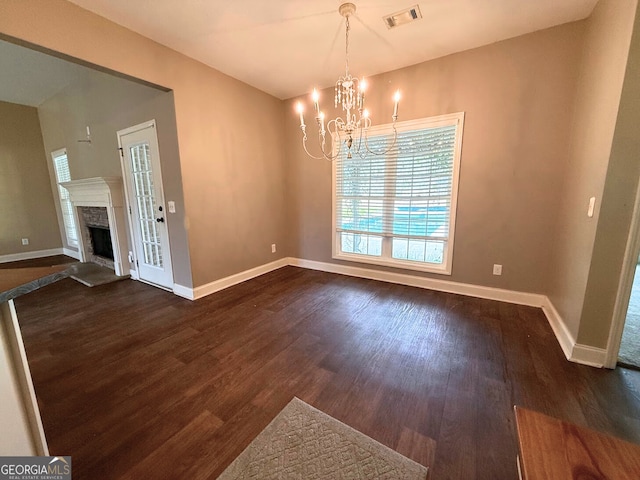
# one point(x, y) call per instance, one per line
point(145, 199)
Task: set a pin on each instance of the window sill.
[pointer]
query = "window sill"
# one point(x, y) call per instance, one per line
point(400, 264)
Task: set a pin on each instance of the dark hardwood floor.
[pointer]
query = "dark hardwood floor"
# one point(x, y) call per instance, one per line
point(135, 382)
point(39, 262)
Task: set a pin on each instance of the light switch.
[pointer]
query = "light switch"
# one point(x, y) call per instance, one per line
point(172, 206)
point(592, 204)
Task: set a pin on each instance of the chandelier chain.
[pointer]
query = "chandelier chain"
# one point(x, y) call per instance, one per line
point(346, 48)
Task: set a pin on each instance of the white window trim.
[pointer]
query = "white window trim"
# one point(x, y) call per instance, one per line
point(431, 122)
point(70, 242)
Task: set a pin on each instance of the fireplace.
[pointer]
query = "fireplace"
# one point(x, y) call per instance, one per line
point(96, 236)
point(101, 242)
point(99, 206)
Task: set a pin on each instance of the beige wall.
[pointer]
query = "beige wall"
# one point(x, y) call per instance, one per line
point(618, 198)
point(229, 134)
point(28, 209)
point(597, 100)
point(518, 98)
point(107, 104)
point(540, 115)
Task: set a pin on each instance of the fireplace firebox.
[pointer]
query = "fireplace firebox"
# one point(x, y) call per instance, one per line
point(101, 241)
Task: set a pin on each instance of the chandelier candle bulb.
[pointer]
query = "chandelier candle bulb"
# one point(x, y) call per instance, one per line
point(300, 110)
point(362, 88)
point(321, 120)
point(396, 99)
point(316, 96)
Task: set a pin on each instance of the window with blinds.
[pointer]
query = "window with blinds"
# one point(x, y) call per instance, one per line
point(398, 209)
point(61, 169)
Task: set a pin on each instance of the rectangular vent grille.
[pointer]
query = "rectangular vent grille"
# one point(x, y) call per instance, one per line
point(405, 16)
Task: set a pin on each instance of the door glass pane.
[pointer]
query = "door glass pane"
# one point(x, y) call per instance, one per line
point(143, 186)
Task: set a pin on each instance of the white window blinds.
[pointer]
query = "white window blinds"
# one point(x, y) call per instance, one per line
point(61, 169)
point(399, 208)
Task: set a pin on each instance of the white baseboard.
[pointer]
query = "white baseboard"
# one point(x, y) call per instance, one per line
point(216, 286)
point(588, 355)
point(15, 257)
point(575, 352)
point(490, 293)
point(564, 336)
point(509, 296)
point(71, 253)
point(182, 291)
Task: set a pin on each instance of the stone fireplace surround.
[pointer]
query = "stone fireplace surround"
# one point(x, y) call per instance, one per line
point(105, 192)
point(94, 217)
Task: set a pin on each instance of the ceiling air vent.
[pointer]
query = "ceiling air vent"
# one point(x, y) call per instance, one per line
point(405, 16)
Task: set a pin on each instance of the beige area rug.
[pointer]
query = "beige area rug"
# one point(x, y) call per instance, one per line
point(304, 443)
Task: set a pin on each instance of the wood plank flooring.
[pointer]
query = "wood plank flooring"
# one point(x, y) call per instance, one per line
point(39, 262)
point(135, 382)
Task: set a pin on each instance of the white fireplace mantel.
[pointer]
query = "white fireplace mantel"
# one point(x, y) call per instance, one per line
point(102, 192)
point(96, 192)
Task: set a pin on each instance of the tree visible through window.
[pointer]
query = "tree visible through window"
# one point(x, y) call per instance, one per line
point(61, 169)
point(398, 209)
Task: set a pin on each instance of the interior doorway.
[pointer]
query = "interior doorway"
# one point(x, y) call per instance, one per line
point(623, 346)
point(629, 354)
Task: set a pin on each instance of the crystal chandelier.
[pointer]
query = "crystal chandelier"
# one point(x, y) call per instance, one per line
point(350, 94)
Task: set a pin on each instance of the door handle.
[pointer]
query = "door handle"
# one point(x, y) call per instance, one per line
point(160, 220)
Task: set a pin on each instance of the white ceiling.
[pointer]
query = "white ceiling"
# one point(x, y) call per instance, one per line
point(29, 78)
point(285, 47)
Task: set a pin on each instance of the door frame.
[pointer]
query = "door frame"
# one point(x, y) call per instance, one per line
point(631, 254)
point(135, 274)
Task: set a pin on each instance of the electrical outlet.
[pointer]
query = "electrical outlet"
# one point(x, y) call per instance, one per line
point(25, 241)
point(273, 248)
point(497, 269)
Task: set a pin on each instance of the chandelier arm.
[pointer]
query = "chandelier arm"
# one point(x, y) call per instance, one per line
point(362, 130)
point(304, 143)
point(338, 123)
point(312, 156)
point(329, 158)
point(322, 135)
point(383, 152)
point(333, 134)
point(321, 139)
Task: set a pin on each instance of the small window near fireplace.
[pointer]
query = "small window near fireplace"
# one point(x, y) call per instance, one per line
point(101, 240)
